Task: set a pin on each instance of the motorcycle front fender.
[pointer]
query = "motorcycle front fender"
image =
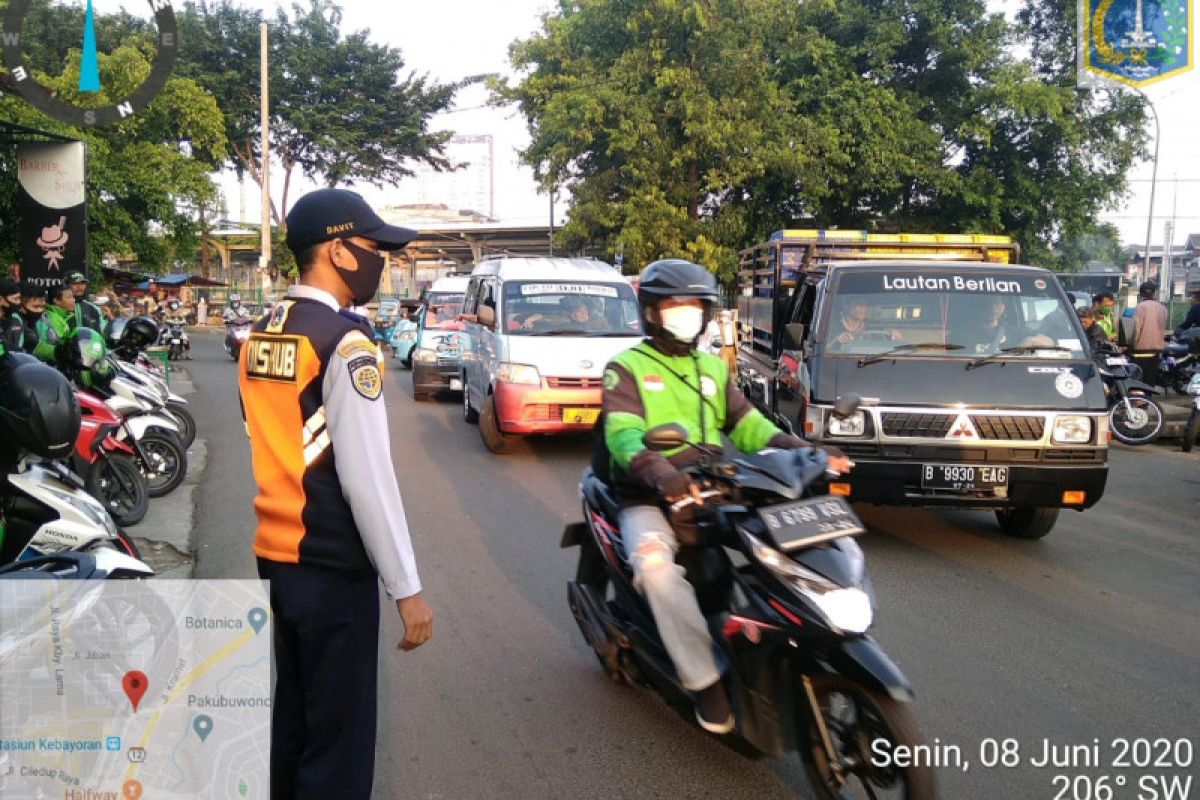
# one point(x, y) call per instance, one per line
point(174, 398)
point(1132, 386)
point(142, 423)
point(863, 661)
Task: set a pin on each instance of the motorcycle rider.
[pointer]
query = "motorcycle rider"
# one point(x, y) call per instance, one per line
point(56, 323)
point(235, 313)
point(87, 315)
point(33, 306)
point(175, 316)
point(661, 380)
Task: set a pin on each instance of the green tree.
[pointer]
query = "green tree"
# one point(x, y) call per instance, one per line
point(361, 121)
point(698, 126)
point(144, 173)
point(1101, 244)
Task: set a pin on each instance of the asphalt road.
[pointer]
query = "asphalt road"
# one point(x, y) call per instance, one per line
point(1091, 634)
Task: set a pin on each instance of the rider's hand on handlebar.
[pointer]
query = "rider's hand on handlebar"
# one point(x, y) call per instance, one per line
point(839, 464)
point(678, 486)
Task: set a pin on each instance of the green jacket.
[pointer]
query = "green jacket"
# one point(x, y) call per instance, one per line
point(53, 327)
point(645, 388)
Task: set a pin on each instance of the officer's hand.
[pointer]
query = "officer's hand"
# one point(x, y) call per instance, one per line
point(418, 621)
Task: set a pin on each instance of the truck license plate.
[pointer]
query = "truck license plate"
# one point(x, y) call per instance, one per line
point(806, 522)
point(580, 416)
point(963, 477)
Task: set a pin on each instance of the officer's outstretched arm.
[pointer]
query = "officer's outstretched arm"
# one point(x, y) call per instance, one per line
point(358, 429)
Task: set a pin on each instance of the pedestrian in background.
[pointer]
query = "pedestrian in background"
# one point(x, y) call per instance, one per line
point(202, 311)
point(331, 521)
point(1149, 332)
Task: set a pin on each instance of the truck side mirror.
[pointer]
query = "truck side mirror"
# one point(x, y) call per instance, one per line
point(793, 335)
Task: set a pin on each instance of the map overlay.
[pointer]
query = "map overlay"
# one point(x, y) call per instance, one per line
point(113, 690)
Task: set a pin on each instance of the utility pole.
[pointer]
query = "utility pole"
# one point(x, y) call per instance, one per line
point(551, 239)
point(1153, 185)
point(265, 259)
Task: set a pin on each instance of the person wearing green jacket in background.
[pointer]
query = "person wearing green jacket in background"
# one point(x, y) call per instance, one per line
point(56, 323)
point(662, 380)
point(86, 314)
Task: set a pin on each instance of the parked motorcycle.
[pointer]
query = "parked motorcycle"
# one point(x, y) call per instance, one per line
point(1192, 430)
point(789, 614)
point(1180, 361)
point(108, 465)
point(236, 334)
point(96, 565)
point(152, 434)
point(1134, 416)
point(172, 404)
point(43, 506)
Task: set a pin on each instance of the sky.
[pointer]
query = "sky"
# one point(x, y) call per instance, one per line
point(451, 39)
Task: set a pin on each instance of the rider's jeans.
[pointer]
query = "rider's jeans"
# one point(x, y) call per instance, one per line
point(651, 545)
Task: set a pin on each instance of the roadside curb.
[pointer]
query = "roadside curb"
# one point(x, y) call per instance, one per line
point(165, 536)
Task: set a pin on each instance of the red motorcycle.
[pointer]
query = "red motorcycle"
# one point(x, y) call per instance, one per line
point(109, 466)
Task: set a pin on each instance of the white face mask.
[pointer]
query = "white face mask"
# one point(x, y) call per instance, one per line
point(682, 322)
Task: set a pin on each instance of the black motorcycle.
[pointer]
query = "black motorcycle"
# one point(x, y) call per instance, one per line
point(1180, 361)
point(175, 339)
point(1134, 416)
point(789, 613)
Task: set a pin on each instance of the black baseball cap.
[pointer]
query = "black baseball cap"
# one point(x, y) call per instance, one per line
point(8, 287)
point(77, 277)
point(327, 214)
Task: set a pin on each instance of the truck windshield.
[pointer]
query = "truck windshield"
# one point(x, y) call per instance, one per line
point(558, 308)
point(948, 313)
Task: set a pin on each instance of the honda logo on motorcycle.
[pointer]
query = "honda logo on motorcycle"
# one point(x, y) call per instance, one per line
point(962, 429)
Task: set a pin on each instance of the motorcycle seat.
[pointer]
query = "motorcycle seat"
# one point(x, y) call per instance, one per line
point(1175, 349)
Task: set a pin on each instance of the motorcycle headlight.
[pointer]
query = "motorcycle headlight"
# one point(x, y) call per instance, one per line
point(846, 609)
point(519, 373)
point(408, 336)
point(853, 425)
point(1072, 429)
point(1193, 387)
point(241, 335)
point(424, 355)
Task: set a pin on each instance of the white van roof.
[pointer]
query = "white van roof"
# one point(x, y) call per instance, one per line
point(452, 283)
point(539, 267)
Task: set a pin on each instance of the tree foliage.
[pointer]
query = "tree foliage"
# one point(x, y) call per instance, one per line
point(146, 173)
point(340, 108)
point(698, 126)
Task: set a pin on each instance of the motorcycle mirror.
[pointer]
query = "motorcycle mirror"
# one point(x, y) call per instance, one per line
point(665, 437)
point(846, 405)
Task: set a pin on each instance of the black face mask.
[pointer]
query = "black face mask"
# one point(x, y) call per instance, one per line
point(32, 316)
point(363, 282)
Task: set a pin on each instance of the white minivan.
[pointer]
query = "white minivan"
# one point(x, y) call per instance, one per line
point(539, 332)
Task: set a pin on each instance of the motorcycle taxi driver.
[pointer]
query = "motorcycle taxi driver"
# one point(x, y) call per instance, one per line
point(666, 379)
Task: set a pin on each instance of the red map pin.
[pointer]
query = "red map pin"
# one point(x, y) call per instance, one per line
point(135, 684)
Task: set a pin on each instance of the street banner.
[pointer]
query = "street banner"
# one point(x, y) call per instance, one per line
point(52, 205)
point(1135, 42)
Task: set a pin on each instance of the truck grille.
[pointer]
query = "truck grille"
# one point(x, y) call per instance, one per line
point(1004, 428)
point(921, 426)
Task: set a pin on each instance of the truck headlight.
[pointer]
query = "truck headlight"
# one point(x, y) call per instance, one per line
point(1072, 429)
point(853, 425)
point(519, 373)
point(424, 355)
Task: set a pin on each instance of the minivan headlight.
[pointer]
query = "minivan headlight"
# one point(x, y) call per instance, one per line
point(1072, 429)
point(853, 425)
point(424, 355)
point(519, 373)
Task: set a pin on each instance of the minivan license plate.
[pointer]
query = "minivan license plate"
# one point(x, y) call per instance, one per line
point(805, 522)
point(963, 477)
point(581, 416)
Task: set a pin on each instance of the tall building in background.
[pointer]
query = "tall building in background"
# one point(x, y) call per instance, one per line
point(469, 188)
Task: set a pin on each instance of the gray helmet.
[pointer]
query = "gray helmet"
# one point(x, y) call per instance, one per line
point(677, 277)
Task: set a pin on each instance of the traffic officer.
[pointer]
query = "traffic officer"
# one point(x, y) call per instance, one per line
point(331, 522)
point(86, 315)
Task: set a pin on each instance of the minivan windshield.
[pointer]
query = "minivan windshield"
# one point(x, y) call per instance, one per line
point(570, 308)
point(442, 308)
point(910, 311)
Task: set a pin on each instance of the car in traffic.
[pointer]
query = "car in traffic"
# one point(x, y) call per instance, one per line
point(437, 348)
point(539, 332)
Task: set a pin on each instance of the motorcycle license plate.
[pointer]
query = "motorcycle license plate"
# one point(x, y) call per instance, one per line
point(580, 416)
point(176, 341)
point(1116, 361)
point(806, 522)
point(963, 477)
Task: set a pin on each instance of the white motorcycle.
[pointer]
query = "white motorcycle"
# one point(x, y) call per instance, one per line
point(1192, 430)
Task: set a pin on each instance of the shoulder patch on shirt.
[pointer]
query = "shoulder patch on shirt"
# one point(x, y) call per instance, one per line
point(611, 378)
point(364, 374)
point(356, 342)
